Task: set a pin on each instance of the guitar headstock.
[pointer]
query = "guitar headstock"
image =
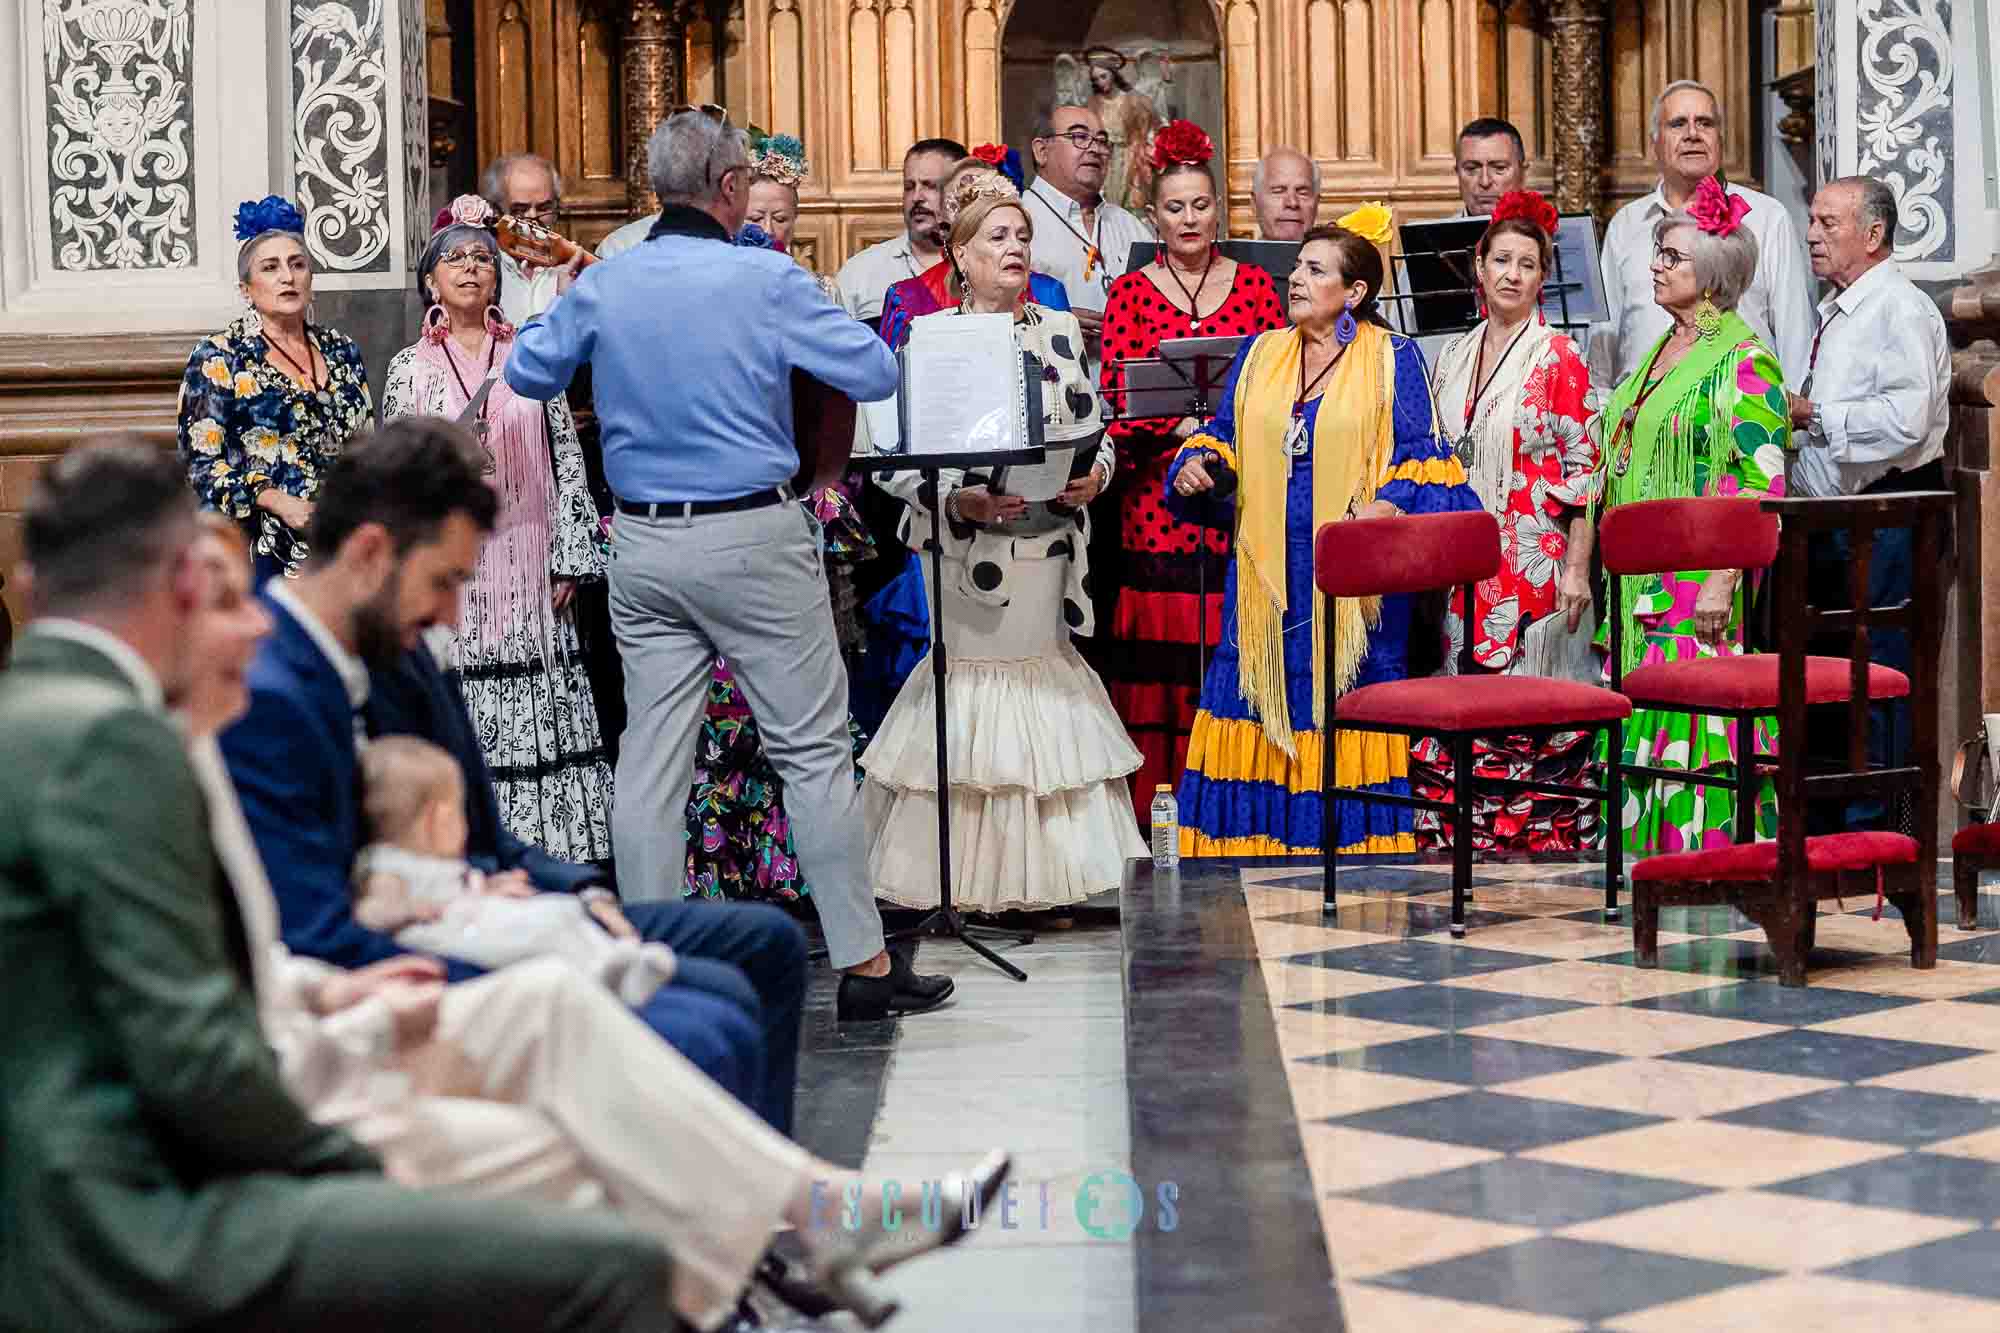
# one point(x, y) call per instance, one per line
point(532, 243)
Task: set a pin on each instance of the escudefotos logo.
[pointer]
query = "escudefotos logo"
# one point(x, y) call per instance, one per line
point(1108, 1205)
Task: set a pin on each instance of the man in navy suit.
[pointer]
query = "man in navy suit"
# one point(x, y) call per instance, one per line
point(395, 534)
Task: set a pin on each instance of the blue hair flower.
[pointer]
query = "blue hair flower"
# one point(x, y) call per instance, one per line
point(786, 145)
point(1010, 167)
point(271, 213)
point(756, 237)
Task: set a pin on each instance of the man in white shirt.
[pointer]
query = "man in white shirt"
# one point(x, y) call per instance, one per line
point(526, 186)
point(1285, 192)
point(867, 276)
point(1082, 239)
point(1869, 417)
point(1492, 161)
point(1687, 143)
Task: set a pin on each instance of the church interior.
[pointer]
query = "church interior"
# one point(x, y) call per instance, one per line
point(1232, 1107)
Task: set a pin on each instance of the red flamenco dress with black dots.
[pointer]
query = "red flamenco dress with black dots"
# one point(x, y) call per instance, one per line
point(1150, 661)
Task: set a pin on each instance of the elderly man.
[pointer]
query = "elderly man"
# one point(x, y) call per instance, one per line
point(1082, 239)
point(1492, 160)
point(710, 553)
point(526, 186)
point(1687, 144)
point(1870, 415)
point(1285, 191)
point(867, 276)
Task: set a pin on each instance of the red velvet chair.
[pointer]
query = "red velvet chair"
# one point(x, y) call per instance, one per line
point(1778, 884)
point(1381, 556)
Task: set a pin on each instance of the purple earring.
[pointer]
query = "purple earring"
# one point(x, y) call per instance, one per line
point(1344, 328)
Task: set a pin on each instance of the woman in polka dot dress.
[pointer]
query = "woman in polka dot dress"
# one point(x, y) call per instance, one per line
point(1151, 660)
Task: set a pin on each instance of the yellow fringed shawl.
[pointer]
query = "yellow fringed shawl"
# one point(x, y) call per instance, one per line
point(1353, 440)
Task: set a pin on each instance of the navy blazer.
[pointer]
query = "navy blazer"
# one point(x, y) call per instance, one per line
point(416, 698)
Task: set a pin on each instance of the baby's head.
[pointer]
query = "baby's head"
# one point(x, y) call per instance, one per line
point(413, 796)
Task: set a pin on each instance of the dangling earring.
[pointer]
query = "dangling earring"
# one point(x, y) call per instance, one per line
point(1345, 329)
point(1707, 319)
point(253, 323)
point(437, 324)
point(496, 324)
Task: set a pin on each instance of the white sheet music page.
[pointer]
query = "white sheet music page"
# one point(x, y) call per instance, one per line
point(964, 385)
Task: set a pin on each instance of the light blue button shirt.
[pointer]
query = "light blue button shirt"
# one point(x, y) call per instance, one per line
point(691, 343)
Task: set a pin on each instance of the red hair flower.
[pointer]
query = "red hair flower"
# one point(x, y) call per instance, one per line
point(992, 154)
point(1715, 210)
point(1181, 141)
point(1529, 207)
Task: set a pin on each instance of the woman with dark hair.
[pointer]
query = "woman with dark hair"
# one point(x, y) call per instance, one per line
point(515, 653)
point(1151, 662)
point(1511, 396)
point(1329, 419)
point(267, 404)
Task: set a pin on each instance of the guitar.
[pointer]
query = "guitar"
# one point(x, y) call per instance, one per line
point(822, 416)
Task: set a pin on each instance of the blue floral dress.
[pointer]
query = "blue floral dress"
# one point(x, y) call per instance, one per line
point(246, 425)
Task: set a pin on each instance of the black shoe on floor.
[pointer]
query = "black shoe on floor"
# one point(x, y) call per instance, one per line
point(870, 999)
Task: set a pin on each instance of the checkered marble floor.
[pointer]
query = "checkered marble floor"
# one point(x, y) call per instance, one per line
point(1525, 1131)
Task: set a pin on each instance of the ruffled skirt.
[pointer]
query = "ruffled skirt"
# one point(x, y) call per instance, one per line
point(1041, 813)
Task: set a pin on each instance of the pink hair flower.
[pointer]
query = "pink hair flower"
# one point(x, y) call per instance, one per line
point(1715, 210)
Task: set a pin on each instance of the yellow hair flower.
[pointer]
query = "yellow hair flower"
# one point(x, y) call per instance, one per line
point(1371, 222)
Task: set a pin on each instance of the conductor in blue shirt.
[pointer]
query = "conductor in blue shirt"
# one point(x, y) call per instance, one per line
point(692, 342)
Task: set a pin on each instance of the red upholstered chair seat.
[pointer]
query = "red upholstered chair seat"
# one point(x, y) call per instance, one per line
point(1751, 682)
point(1976, 840)
point(1480, 703)
point(1753, 862)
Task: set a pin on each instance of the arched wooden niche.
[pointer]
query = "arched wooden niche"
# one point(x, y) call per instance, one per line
point(1178, 38)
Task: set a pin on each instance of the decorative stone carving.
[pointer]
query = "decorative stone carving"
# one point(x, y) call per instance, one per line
point(1799, 91)
point(655, 80)
point(340, 150)
point(1903, 117)
point(120, 118)
point(416, 130)
point(1833, 86)
point(1576, 29)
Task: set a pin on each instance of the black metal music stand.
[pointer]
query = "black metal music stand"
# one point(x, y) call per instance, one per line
point(945, 921)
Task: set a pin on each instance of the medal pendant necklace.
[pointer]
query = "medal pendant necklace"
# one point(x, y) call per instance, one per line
point(1193, 297)
point(1476, 391)
point(312, 383)
point(1629, 418)
point(478, 422)
point(1295, 438)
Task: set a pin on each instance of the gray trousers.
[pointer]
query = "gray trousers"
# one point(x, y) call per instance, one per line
point(748, 587)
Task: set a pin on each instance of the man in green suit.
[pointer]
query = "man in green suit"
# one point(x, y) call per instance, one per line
point(154, 1174)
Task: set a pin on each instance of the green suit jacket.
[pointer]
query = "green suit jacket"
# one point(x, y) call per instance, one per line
point(151, 1163)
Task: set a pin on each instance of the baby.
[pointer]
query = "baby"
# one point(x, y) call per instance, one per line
point(412, 880)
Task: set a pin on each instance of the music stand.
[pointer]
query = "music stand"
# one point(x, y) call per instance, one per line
point(1182, 381)
point(944, 920)
point(1437, 296)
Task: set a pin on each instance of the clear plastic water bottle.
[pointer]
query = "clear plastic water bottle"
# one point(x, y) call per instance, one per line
point(1166, 828)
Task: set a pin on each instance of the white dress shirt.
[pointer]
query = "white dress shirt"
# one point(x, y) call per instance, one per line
point(867, 276)
point(1061, 250)
point(1778, 304)
point(627, 236)
point(525, 293)
point(1880, 385)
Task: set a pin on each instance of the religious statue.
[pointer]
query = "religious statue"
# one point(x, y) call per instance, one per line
point(1131, 109)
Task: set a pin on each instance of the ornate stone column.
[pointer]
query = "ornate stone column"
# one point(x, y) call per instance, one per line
point(1576, 28)
point(655, 65)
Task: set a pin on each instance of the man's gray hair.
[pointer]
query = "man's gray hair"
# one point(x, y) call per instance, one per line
point(1724, 266)
point(493, 181)
point(1257, 174)
point(1875, 202)
point(688, 155)
point(1682, 86)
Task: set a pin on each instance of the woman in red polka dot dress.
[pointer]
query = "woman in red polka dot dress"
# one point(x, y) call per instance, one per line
point(1150, 661)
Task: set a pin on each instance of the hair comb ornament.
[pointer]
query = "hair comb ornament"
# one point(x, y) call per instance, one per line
point(1528, 206)
point(271, 213)
point(1003, 159)
point(1181, 142)
point(1715, 210)
point(1371, 222)
point(777, 157)
point(974, 186)
point(468, 210)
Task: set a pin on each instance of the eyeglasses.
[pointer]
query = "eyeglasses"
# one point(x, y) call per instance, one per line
point(1083, 140)
point(545, 208)
point(720, 115)
point(1669, 258)
point(476, 256)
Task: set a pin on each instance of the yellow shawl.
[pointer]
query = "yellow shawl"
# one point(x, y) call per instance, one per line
point(1353, 440)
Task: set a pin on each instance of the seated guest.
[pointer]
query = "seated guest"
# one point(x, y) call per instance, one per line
point(1870, 416)
point(1687, 144)
point(1492, 163)
point(1284, 189)
point(397, 536)
point(159, 1174)
point(526, 186)
point(867, 276)
point(1703, 414)
point(1329, 417)
point(1044, 800)
point(1511, 395)
point(267, 404)
point(529, 1082)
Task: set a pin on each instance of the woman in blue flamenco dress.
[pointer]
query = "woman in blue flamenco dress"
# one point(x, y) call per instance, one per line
point(1328, 419)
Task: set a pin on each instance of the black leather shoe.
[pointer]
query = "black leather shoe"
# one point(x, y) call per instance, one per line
point(903, 971)
point(792, 1287)
point(871, 999)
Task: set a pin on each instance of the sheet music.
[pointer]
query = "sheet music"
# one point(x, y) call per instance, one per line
point(963, 385)
point(1038, 481)
point(881, 428)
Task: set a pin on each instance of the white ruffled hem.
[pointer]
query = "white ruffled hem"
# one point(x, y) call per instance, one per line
point(1009, 850)
point(1034, 726)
